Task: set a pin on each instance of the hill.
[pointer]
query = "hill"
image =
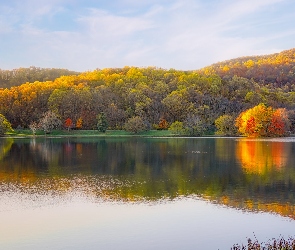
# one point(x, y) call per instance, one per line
point(157, 96)
point(16, 77)
point(277, 70)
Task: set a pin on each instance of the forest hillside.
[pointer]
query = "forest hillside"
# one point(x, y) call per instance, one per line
point(154, 98)
point(277, 70)
point(15, 77)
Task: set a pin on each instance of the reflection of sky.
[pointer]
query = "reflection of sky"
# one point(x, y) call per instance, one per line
point(62, 210)
point(82, 224)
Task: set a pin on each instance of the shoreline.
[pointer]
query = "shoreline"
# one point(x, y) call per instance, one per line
point(26, 133)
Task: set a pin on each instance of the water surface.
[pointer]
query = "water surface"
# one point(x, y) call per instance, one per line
point(144, 193)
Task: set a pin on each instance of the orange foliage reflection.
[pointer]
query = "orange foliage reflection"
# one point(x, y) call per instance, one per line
point(261, 156)
point(284, 209)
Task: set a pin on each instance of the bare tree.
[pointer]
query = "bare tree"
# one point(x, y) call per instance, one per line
point(34, 126)
point(49, 121)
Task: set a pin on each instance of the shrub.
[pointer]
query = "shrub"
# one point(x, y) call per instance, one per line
point(5, 125)
point(135, 125)
point(163, 124)
point(49, 121)
point(225, 125)
point(34, 127)
point(177, 128)
point(79, 123)
point(102, 123)
point(274, 244)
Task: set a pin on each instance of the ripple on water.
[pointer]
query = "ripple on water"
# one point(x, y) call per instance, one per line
point(48, 192)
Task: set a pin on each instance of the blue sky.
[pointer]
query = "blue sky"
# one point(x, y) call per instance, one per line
point(188, 34)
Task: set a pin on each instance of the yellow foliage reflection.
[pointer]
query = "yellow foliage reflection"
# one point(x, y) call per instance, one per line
point(261, 156)
point(5, 145)
point(284, 208)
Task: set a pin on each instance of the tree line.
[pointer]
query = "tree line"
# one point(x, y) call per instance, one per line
point(144, 98)
point(16, 77)
point(275, 70)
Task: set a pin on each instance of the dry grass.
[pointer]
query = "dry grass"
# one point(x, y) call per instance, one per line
point(278, 244)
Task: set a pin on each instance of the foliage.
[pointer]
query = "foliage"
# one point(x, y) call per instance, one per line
point(135, 124)
point(102, 123)
point(16, 77)
point(177, 128)
point(68, 123)
point(49, 121)
point(276, 70)
point(34, 127)
point(79, 123)
point(5, 125)
point(263, 121)
point(195, 98)
point(163, 124)
point(291, 116)
point(279, 124)
point(194, 126)
point(225, 125)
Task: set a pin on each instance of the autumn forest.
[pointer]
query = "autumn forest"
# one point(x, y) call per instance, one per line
point(252, 96)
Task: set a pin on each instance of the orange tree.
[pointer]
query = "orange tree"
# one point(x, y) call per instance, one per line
point(68, 123)
point(263, 121)
point(163, 124)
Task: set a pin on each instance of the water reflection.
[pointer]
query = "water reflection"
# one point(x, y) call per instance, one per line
point(259, 157)
point(244, 174)
point(5, 145)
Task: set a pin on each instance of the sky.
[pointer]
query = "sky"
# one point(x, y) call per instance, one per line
point(84, 35)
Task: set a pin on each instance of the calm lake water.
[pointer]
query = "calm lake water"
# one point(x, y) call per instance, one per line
point(145, 193)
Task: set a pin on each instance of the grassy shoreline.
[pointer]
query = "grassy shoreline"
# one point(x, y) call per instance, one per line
point(90, 133)
point(27, 133)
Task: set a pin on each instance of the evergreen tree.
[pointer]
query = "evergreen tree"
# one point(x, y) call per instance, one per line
point(102, 123)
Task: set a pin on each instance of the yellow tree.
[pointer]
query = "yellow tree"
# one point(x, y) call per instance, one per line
point(5, 125)
point(79, 123)
point(261, 121)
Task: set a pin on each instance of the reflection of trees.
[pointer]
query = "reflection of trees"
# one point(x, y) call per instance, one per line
point(281, 207)
point(5, 145)
point(262, 156)
point(46, 149)
point(151, 169)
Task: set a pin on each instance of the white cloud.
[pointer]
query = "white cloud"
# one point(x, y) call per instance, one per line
point(106, 24)
point(181, 34)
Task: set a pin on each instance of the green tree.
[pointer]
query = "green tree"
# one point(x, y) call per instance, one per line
point(225, 125)
point(177, 104)
point(177, 128)
point(194, 126)
point(5, 125)
point(102, 123)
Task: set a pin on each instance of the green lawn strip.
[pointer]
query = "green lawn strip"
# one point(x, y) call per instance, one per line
point(82, 133)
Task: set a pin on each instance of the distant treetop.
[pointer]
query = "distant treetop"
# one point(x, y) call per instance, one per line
point(276, 69)
point(16, 77)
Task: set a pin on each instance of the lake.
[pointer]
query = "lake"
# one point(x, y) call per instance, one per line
point(145, 193)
